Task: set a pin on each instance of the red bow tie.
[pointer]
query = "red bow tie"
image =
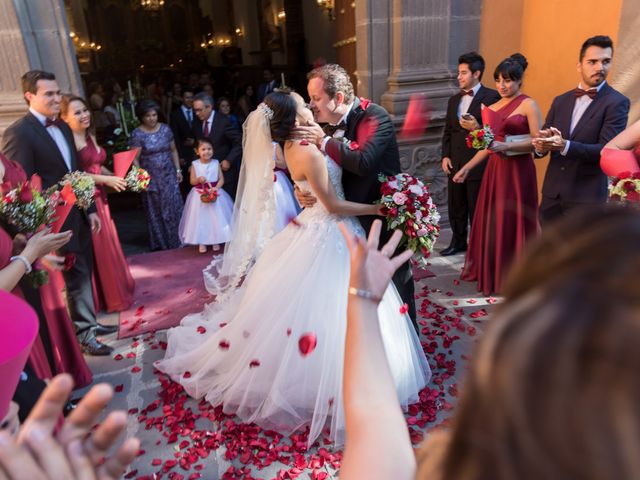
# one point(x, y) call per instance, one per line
point(578, 92)
point(465, 92)
point(52, 123)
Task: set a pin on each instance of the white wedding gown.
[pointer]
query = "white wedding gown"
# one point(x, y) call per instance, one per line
point(245, 355)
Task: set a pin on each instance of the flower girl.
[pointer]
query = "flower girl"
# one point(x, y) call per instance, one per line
point(206, 219)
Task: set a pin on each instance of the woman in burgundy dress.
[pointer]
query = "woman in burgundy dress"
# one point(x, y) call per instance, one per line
point(112, 279)
point(57, 349)
point(507, 209)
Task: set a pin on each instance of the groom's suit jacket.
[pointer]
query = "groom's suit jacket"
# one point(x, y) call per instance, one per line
point(27, 142)
point(577, 177)
point(371, 128)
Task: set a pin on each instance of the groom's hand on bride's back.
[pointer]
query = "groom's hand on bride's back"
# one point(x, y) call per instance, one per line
point(305, 199)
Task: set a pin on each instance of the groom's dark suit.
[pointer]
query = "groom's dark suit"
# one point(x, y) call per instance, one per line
point(377, 153)
point(28, 142)
point(576, 179)
point(462, 196)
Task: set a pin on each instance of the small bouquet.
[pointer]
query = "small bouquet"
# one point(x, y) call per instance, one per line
point(625, 187)
point(208, 194)
point(408, 206)
point(480, 139)
point(137, 179)
point(83, 187)
point(28, 209)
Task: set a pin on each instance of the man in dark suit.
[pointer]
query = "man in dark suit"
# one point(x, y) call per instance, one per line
point(267, 86)
point(583, 121)
point(463, 115)
point(226, 140)
point(181, 121)
point(333, 102)
point(44, 145)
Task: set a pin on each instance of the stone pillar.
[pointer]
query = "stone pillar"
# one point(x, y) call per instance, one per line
point(33, 35)
point(411, 47)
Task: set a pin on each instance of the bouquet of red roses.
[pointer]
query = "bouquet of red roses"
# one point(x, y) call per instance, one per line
point(29, 209)
point(480, 139)
point(137, 179)
point(408, 207)
point(625, 187)
point(208, 194)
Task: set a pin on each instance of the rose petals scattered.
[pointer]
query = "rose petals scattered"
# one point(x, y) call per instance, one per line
point(118, 388)
point(223, 345)
point(186, 375)
point(307, 344)
point(492, 300)
point(139, 311)
point(201, 330)
point(254, 363)
point(456, 282)
point(472, 301)
point(189, 290)
point(404, 308)
point(136, 369)
point(118, 357)
point(288, 332)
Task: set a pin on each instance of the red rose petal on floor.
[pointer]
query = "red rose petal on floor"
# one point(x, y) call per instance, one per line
point(156, 461)
point(189, 290)
point(131, 355)
point(455, 302)
point(186, 375)
point(471, 301)
point(288, 332)
point(136, 369)
point(492, 300)
point(222, 325)
point(118, 388)
point(139, 311)
point(456, 282)
point(118, 357)
point(224, 345)
point(201, 330)
point(307, 343)
point(404, 308)
point(254, 363)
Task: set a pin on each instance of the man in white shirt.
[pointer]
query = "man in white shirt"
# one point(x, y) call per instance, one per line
point(583, 120)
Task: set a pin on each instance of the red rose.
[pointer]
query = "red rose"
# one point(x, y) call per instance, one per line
point(354, 146)
point(480, 134)
point(393, 212)
point(625, 174)
point(614, 181)
point(25, 195)
point(364, 102)
point(636, 175)
point(629, 186)
point(633, 196)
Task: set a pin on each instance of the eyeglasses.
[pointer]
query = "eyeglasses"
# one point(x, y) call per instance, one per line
point(198, 110)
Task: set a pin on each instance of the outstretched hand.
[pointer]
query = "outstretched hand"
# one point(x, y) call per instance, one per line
point(372, 269)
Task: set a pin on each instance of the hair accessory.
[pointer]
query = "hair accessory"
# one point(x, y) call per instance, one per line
point(266, 110)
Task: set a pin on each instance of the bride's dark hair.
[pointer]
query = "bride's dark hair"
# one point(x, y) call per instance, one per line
point(284, 114)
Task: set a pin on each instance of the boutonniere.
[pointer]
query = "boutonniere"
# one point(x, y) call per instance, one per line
point(364, 103)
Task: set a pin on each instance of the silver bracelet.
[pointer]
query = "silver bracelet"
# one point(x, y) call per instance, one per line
point(364, 294)
point(23, 259)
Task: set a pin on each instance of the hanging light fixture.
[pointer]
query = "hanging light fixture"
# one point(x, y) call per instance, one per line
point(329, 6)
point(150, 5)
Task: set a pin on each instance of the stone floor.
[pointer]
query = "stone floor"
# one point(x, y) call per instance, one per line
point(176, 444)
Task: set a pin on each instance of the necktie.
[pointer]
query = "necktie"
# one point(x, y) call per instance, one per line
point(465, 92)
point(189, 117)
point(206, 128)
point(331, 129)
point(578, 92)
point(52, 123)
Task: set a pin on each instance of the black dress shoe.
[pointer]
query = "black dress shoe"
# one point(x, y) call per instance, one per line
point(105, 329)
point(96, 348)
point(452, 250)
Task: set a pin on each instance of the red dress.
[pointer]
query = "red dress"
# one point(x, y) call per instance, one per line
point(507, 207)
point(67, 356)
point(112, 279)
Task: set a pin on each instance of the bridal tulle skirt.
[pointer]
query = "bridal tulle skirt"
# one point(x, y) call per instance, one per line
point(245, 355)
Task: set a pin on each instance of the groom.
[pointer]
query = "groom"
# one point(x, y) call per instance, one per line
point(366, 125)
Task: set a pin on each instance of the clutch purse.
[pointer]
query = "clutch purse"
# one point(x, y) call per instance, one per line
point(515, 138)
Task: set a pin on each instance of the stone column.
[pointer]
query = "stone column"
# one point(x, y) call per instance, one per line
point(33, 35)
point(411, 47)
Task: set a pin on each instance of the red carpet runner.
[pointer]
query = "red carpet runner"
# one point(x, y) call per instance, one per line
point(165, 292)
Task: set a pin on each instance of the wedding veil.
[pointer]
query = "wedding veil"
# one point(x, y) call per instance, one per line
point(253, 211)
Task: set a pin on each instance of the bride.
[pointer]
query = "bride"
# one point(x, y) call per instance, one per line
point(245, 352)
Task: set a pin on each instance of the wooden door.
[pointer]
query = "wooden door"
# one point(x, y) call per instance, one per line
point(345, 44)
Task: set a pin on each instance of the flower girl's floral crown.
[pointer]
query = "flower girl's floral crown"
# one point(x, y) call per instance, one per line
point(266, 110)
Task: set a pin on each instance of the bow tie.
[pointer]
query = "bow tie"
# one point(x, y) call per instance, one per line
point(465, 92)
point(331, 129)
point(52, 123)
point(578, 92)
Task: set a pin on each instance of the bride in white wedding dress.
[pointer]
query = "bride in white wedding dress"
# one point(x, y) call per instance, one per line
point(244, 353)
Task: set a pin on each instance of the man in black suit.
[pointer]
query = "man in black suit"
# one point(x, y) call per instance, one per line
point(226, 140)
point(181, 121)
point(463, 115)
point(583, 121)
point(333, 102)
point(43, 144)
point(268, 86)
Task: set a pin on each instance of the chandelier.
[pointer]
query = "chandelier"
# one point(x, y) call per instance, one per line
point(329, 6)
point(150, 5)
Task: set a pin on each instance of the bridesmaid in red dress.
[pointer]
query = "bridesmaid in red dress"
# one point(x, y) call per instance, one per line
point(113, 282)
point(507, 209)
point(62, 351)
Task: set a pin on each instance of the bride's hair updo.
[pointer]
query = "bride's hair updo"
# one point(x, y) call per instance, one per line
point(284, 114)
point(511, 68)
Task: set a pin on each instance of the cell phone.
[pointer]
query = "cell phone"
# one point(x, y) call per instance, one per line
point(467, 116)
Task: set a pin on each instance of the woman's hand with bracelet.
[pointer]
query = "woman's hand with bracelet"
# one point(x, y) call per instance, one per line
point(372, 269)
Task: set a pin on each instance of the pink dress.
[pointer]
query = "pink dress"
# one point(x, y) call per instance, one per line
point(113, 282)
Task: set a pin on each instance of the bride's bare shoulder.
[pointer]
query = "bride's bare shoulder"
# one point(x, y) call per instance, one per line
point(301, 151)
